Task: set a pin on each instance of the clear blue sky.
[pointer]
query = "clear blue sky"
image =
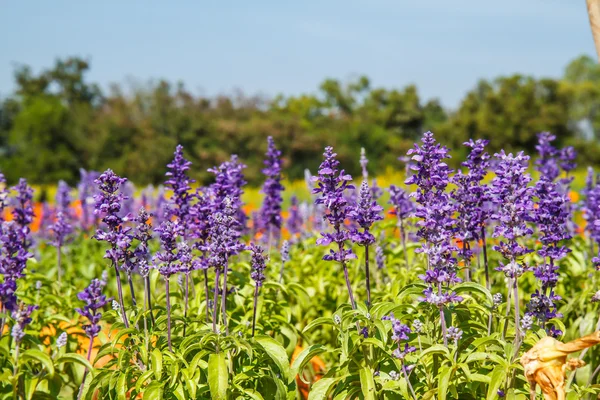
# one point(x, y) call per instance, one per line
point(271, 47)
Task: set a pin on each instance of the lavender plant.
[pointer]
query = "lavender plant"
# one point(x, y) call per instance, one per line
point(270, 213)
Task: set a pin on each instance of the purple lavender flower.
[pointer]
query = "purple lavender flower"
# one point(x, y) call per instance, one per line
point(400, 334)
point(63, 199)
point(332, 184)
point(94, 302)
point(285, 257)
point(13, 260)
point(511, 193)
point(86, 191)
point(379, 258)
point(270, 212)
point(61, 230)
point(22, 318)
point(224, 242)
point(229, 182)
point(258, 275)
point(23, 211)
point(166, 260)
point(403, 209)
point(364, 213)
point(179, 182)
point(108, 206)
point(547, 162)
point(436, 226)
point(295, 219)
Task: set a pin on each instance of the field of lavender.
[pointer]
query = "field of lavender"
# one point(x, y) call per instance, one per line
point(432, 288)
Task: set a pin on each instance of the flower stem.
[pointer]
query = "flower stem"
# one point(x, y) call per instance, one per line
point(517, 314)
point(168, 314)
point(224, 298)
point(255, 307)
point(216, 300)
point(185, 303)
point(149, 297)
point(120, 291)
point(403, 239)
point(206, 294)
point(349, 286)
point(131, 290)
point(485, 259)
point(412, 391)
point(89, 354)
point(59, 264)
point(368, 276)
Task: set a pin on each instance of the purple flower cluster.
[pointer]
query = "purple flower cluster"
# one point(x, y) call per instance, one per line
point(23, 211)
point(332, 184)
point(470, 196)
point(436, 225)
point(258, 264)
point(61, 229)
point(63, 199)
point(167, 260)
point(13, 259)
point(400, 334)
point(400, 200)
point(179, 182)
point(295, 220)
point(513, 197)
point(364, 213)
point(22, 318)
point(229, 181)
point(108, 205)
point(270, 213)
point(591, 206)
point(547, 163)
point(86, 191)
point(224, 235)
point(551, 218)
point(94, 301)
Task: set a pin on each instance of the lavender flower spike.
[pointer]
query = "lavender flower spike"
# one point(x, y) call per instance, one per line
point(365, 213)
point(61, 229)
point(270, 212)
point(258, 275)
point(179, 182)
point(331, 186)
point(108, 205)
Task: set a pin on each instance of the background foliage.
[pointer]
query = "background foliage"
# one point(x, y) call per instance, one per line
point(57, 121)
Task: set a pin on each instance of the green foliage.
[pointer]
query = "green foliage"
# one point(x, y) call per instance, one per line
point(57, 122)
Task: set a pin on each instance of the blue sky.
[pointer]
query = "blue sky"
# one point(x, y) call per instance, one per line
point(271, 47)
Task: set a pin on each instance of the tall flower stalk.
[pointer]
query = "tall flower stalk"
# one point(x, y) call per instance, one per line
point(61, 229)
point(179, 182)
point(470, 196)
point(270, 213)
point(364, 213)
point(551, 218)
point(332, 184)
point(108, 205)
point(166, 261)
point(513, 197)
point(143, 234)
point(436, 225)
point(258, 276)
point(224, 242)
point(94, 302)
point(403, 209)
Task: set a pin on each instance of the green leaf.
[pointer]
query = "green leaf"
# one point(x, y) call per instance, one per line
point(444, 382)
point(39, 356)
point(496, 381)
point(218, 377)
point(320, 389)
point(156, 360)
point(154, 391)
point(367, 383)
point(318, 322)
point(77, 359)
point(277, 353)
point(305, 356)
point(470, 287)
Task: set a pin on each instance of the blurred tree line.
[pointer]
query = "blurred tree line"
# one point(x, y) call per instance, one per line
point(56, 122)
